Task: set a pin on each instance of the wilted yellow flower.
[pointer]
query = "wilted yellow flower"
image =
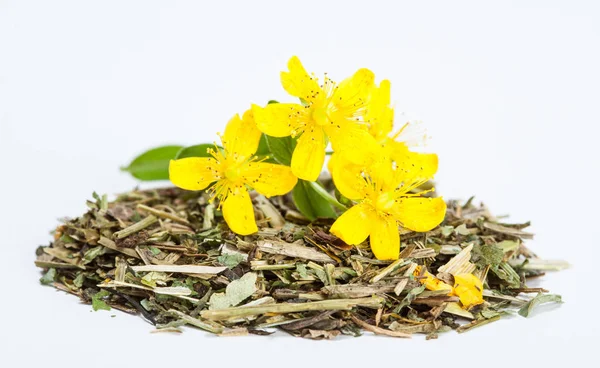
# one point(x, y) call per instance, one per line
point(469, 289)
point(385, 201)
point(329, 112)
point(431, 282)
point(233, 170)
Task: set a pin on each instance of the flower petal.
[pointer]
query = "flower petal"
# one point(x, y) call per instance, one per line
point(353, 142)
point(269, 179)
point(352, 95)
point(354, 226)
point(347, 177)
point(309, 154)
point(239, 212)
point(385, 238)
point(414, 166)
point(279, 119)
point(379, 114)
point(297, 82)
point(469, 289)
point(431, 282)
point(419, 213)
point(241, 136)
point(194, 173)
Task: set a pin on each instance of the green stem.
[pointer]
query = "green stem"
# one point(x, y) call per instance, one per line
point(328, 197)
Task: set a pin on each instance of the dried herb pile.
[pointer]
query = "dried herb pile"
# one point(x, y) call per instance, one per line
point(167, 255)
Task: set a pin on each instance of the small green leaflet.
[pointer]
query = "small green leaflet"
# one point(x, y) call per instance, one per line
point(310, 203)
point(539, 299)
point(153, 164)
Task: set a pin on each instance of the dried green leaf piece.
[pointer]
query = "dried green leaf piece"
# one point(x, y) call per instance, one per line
point(505, 272)
point(155, 278)
point(78, 281)
point(447, 230)
point(235, 293)
point(98, 303)
point(485, 255)
point(48, 277)
point(539, 299)
point(92, 253)
point(230, 260)
point(412, 294)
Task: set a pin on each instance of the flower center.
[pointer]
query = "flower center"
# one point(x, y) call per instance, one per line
point(233, 173)
point(385, 202)
point(319, 115)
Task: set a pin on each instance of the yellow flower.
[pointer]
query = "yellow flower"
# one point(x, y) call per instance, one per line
point(233, 170)
point(394, 149)
point(385, 201)
point(329, 112)
point(469, 289)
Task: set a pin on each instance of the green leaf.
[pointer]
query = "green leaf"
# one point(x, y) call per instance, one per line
point(310, 203)
point(153, 164)
point(155, 278)
point(199, 150)
point(235, 293)
point(230, 260)
point(505, 272)
point(264, 152)
point(48, 277)
point(281, 148)
point(92, 253)
point(539, 299)
point(79, 280)
point(412, 295)
point(263, 147)
point(484, 255)
point(98, 303)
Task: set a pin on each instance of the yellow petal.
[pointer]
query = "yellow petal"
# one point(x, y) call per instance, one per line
point(379, 115)
point(353, 142)
point(194, 173)
point(347, 177)
point(239, 212)
point(419, 213)
point(269, 179)
point(469, 289)
point(431, 282)
point(297, 82)
point(279, 120)
point(413, 165)
point(385, 238)
point(354, 226)
point(309, 154)
point(352, 94)
point(241, 136)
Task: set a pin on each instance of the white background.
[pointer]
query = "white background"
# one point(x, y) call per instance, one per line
point(508, 90)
